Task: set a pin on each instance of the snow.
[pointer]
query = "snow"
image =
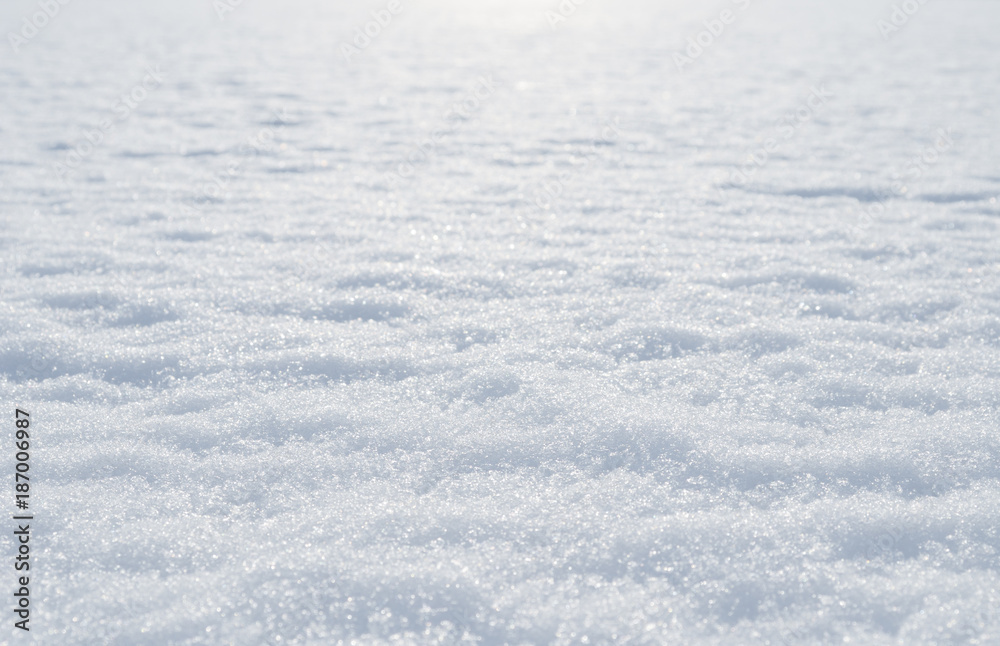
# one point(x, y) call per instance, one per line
point(567, 378)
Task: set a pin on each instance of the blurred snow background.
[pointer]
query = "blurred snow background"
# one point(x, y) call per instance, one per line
point(571, 380)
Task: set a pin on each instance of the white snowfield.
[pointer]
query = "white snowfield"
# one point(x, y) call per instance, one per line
point(504, 322)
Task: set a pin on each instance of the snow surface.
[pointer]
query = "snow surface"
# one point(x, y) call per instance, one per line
point(283, 395)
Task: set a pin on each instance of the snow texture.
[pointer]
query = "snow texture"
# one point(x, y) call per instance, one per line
point(660, 337)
